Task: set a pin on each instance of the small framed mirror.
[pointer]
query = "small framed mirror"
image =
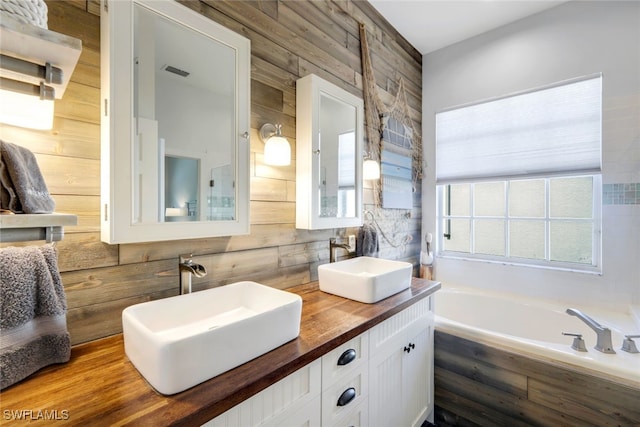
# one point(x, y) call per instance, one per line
point(329, 144)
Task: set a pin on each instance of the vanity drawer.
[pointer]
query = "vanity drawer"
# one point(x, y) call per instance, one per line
point(344, 359)
point(345, 396)
point(358, 417)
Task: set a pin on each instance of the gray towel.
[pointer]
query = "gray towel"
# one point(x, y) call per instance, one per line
point(33, 330)
point(22, 187)
point(367, 241)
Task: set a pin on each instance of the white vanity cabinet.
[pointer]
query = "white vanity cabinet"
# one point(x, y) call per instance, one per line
point(401, 367)
point(381, 378)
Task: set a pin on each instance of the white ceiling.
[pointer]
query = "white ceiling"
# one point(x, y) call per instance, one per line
point(433, 24)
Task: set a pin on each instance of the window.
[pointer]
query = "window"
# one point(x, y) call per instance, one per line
point(519, 178)
point(545, 221)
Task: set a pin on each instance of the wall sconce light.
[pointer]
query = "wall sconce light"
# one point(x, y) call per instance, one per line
point(370, 168)
point(35, 67)
point(277, 151)
point(25, 103)
point(27, 111)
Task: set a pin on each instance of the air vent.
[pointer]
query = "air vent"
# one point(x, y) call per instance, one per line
point(177, 71)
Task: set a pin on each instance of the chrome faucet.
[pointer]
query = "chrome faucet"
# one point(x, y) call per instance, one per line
point(333, 246)
point(604, 334)
point(187, 269)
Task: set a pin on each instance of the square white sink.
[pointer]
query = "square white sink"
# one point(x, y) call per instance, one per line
point(365, 279)
point(181, 341)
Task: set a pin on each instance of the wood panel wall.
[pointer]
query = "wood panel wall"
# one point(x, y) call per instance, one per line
point(479, 385)
point(289, 39)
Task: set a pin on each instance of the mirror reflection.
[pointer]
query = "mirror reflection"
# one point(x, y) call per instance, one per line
point(337, 170)
point(181, 188)
point(185, 138)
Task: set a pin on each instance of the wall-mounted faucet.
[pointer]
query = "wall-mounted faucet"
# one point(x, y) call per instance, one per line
point(333, 246)
point(187, 269)
point(604, 334)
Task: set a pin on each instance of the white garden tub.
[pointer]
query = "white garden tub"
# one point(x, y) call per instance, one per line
point(535, 327)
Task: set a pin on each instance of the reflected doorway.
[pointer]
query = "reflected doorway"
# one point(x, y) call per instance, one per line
point(181, 188)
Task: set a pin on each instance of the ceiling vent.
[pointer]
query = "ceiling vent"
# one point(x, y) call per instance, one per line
point(175, 70)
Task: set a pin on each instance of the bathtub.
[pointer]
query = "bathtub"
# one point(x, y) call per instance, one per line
point(534, 327)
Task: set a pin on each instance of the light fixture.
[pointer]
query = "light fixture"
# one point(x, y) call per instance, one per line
point(28, 111)
point(26, 103)
point(370, 168)
point(277, 151)
point(36, 65)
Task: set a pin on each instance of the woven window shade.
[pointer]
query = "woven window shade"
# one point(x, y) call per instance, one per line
point(550, 131)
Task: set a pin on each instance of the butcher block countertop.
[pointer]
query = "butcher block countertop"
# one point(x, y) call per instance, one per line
point(100, 386)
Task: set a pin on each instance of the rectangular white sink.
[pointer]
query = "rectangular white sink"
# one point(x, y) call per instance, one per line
point(365, 279)
point(181, 341)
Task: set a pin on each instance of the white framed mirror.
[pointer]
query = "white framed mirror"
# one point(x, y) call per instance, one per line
point(329, 147)
point(175, 125)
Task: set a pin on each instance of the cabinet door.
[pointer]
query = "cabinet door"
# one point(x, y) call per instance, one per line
point(386, 407)
point(400, 383)
point(328, 172)
point(416, 377)
point(401, 367)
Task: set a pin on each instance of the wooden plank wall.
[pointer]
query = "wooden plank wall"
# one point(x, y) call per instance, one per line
point(479, 385)
point(289, 39)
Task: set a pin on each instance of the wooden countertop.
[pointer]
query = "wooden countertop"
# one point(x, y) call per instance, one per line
point(100, 386)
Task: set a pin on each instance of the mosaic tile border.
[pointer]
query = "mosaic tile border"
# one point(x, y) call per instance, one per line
point(621, 194)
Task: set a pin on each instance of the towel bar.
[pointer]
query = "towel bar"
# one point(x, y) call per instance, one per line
point(26, 228)
point(50, 234)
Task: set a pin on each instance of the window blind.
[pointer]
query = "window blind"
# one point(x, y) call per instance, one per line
point(555, 130)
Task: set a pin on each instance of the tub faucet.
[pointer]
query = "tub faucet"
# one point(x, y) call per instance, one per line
point(629, 345)
point(333, 246)
point(604, 334)
point(187, 269)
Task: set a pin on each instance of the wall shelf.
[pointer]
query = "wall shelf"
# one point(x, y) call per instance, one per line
point(39, 45)
point(31, 227)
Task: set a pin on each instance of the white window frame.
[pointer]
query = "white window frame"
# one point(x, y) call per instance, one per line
point(596, 221)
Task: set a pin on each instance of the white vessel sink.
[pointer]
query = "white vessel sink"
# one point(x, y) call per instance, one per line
point(181, 341)
point(365, 279)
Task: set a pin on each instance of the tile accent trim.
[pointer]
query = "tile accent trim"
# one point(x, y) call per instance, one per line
point(621, 194)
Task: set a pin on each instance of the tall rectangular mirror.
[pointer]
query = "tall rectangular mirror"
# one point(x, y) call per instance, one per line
point(175, 156)
point(329, 141)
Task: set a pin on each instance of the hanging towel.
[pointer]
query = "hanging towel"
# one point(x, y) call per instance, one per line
point(33, 327)
point(22, 187)
point(367, 241)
